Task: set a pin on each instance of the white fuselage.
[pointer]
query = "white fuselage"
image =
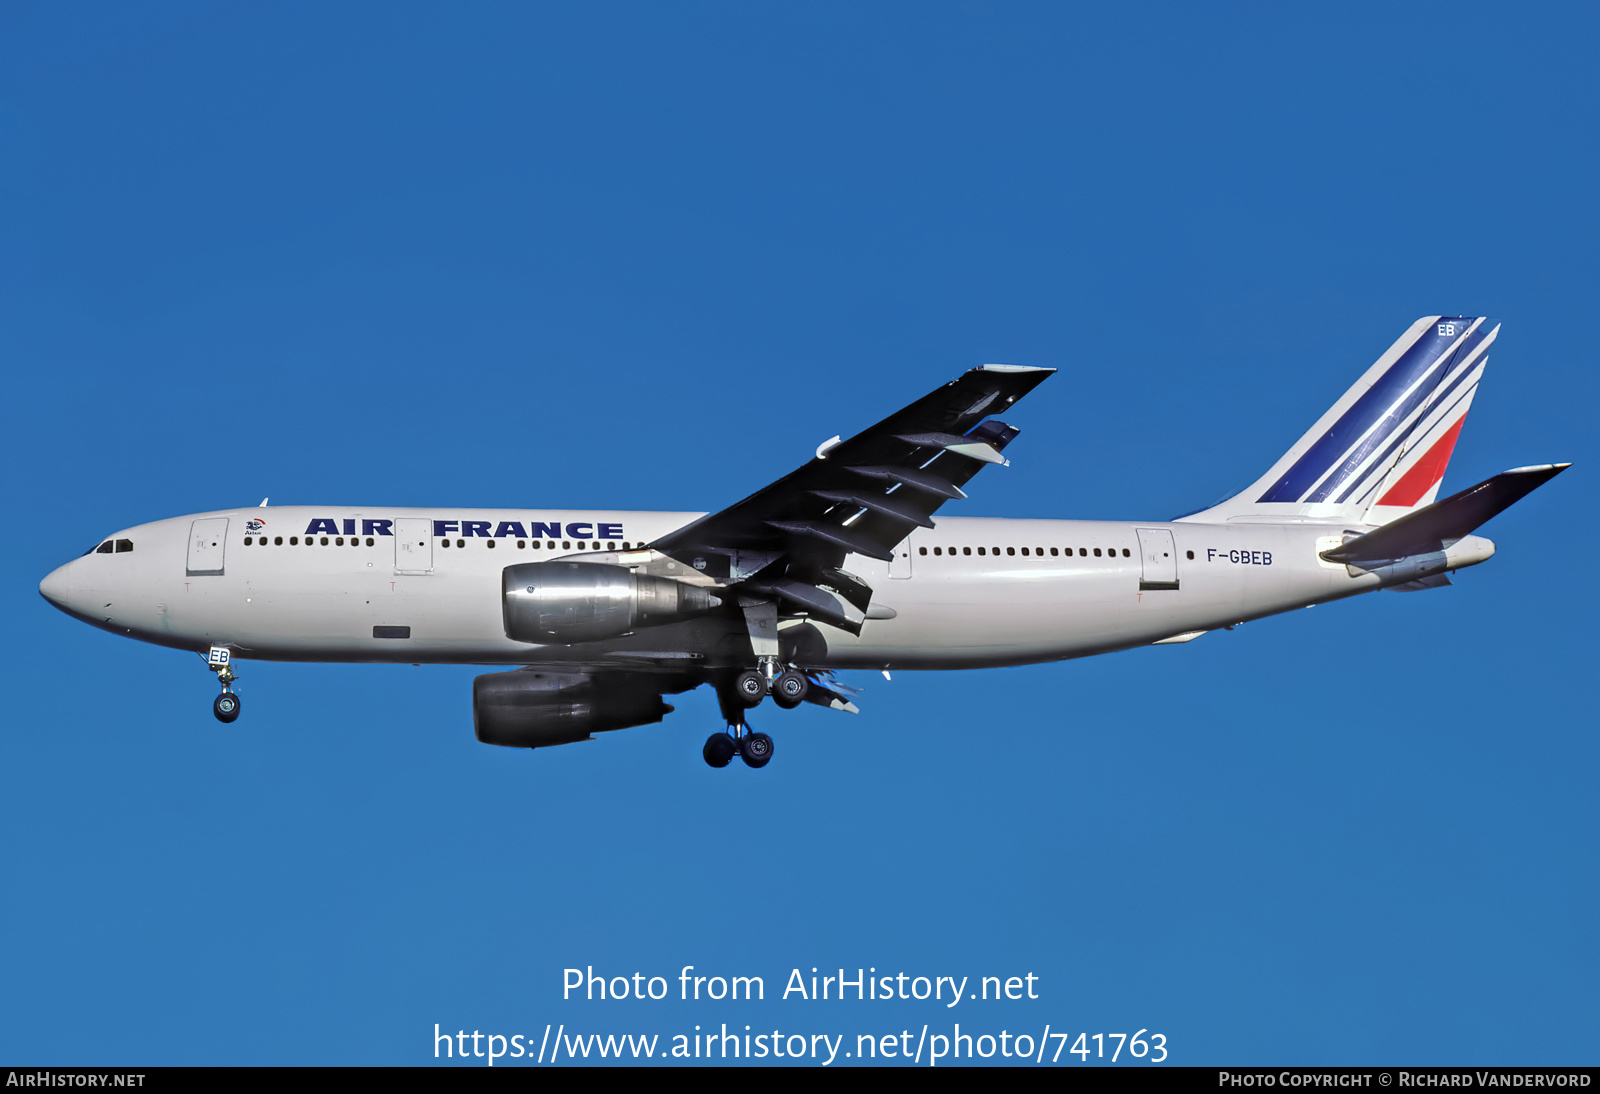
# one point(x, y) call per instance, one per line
point(969, 593)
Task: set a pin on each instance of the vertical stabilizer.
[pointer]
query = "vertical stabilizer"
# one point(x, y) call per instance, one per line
point(1382, 449)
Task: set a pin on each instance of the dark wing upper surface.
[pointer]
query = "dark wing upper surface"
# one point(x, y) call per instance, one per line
point(863, 496)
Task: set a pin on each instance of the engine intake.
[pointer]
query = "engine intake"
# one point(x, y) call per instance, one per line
point(526, 708)
point(566, 602)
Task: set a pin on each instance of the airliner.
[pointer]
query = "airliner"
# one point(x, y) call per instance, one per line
point(595, 615)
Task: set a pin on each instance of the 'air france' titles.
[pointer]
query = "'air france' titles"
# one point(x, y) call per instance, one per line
point(468, 529)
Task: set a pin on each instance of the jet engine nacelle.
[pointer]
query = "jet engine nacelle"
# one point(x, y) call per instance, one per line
point(527, 708)
point(566, 602)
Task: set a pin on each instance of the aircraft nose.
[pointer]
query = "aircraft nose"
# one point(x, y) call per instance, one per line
point(57, 586)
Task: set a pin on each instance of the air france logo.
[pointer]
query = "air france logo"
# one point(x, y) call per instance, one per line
point(466, 529)
point(254, 525)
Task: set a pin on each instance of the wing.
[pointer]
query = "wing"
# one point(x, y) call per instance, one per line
point(788, 542)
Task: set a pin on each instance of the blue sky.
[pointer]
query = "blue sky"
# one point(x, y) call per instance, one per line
point(649, 256)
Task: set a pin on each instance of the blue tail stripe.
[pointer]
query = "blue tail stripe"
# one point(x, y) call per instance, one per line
point(1440, 399)
point(1372, 406)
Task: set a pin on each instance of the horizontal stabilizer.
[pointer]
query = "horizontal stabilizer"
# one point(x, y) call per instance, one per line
point(1434, 527)
point(1422, 584)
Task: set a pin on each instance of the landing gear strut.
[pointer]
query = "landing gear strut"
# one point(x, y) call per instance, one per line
point(226, 706)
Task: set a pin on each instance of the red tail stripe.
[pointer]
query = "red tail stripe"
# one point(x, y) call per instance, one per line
point(1426, 471)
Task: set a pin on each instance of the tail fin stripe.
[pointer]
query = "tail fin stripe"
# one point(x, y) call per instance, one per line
point(1382, 449)
point(1425, 423)
point(1426, 471)
point(1412, 366)
point(1399, 425)
point(1442, 409)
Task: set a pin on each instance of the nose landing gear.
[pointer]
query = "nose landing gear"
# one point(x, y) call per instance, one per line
point(226, 706)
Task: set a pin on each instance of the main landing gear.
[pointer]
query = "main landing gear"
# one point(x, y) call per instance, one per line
point(787, 686)
point(754, 748)
point(226, 706)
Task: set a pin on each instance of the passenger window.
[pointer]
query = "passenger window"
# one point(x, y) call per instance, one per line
point(994, 550)
point(444, 543)
point(491, 544)
point(324, 541)
point(552, 545)
point(566, 545)
point(1097, 552)
point(461, 543)
point(1083, 552)
point(248, 542)
point(966, 550)
point(613, 546)
point(938, 550)
point(537, 544)
point(369, 541)
point(522, 544)
point(1054, 551)
point(1190, 554)
point(1038, 550)
point(981, 551)
point(338, 542)
point(922, 550)
point(277, 541)
point(294, 541)
point(1011, 550)
point(1125, 553)
point(105, 548)
point(1024, 550)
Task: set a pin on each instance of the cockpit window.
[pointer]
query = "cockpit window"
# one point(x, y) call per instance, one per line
point(124, 545)
point(103, 549)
